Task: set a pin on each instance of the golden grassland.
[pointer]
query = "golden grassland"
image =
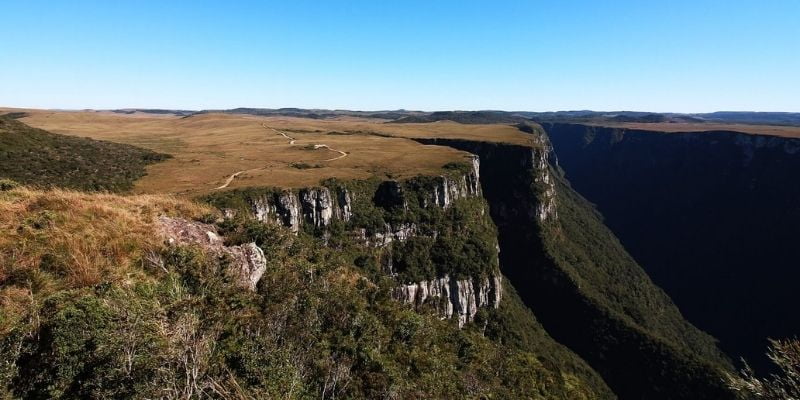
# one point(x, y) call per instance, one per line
point(675, 127)
point(60, 239)
point(102, 231)
point(209, 148)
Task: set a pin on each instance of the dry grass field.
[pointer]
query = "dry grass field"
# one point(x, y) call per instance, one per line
point(210, 148)
point(213, 151)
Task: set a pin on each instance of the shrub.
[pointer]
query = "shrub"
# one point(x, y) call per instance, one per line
point(782, 385)
point(8, 184)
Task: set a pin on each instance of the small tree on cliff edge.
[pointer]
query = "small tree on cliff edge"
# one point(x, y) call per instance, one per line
point(784, 385)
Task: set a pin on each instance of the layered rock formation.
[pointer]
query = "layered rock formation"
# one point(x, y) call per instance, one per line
point(318, 207)
point(398, 233)
point(451, 297)
point(247, 261)
point(448, 189)
point(314, 206)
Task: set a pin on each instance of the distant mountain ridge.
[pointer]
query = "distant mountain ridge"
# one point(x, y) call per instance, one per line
point(498, 116)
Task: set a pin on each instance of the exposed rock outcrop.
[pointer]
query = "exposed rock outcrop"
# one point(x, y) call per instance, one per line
point(247, 261)
point(314, 206)
point(452, 297)
point(390, 234)
point(317, 206)
point(345, 209)
point(546, 208)
point(448, 189)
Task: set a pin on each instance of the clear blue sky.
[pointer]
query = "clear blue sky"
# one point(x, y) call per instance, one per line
point(678, 55)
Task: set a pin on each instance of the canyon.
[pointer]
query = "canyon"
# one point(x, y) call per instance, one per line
point(711, 216)
point(550, 242)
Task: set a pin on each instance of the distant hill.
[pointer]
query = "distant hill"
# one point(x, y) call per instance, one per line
point(746, 117)
point(314, 113)
point(465, 117)
point(504, 117)
point(39, 158)
point(153, 111)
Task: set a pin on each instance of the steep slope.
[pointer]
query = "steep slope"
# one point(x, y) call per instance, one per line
point(582, 285)
point(431, 239)
point(712, 216)
point(105, 296)
point(36, 157)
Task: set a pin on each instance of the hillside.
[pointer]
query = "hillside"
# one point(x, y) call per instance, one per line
point(40, 158)
point(409, 260)
point(138, 317)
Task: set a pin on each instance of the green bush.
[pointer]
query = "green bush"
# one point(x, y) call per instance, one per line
point(8, 184)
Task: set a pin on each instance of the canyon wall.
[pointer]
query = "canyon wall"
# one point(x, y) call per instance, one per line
point(712, 216)
point(401, 223)
point(581, 284)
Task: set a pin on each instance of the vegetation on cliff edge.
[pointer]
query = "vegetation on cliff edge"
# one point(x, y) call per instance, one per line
point(35, 157)
point(94, 305)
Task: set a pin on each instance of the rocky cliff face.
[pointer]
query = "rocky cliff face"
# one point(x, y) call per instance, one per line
point(546, 208)
point(448, 189)
point(391, 233)
point(313, 206)
point(712, 216)
point(451, 297)
point(318, 206)
point(400, 203)
point(582, 285)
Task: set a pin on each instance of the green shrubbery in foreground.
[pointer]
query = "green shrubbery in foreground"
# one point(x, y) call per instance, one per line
point(172, 326)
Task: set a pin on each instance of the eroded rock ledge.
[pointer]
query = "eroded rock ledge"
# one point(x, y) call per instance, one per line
point(313, 206)
point(452, 297)
point(318, 206)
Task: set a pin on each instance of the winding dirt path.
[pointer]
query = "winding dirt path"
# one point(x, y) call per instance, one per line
point(342, 154)
point(231, 178)
point(292, 141)
point(316, 146)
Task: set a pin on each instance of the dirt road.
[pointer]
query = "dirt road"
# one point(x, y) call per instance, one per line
point(292, 141)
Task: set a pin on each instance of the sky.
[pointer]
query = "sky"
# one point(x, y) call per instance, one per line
point(644, 55)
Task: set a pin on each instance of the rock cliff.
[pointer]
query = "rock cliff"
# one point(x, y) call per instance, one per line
point(586, 290)
point(313, 206)
point(452, 297)
point(382, 216)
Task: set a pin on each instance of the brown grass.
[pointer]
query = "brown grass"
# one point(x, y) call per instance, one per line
point(62, 239)
point(210, 148)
